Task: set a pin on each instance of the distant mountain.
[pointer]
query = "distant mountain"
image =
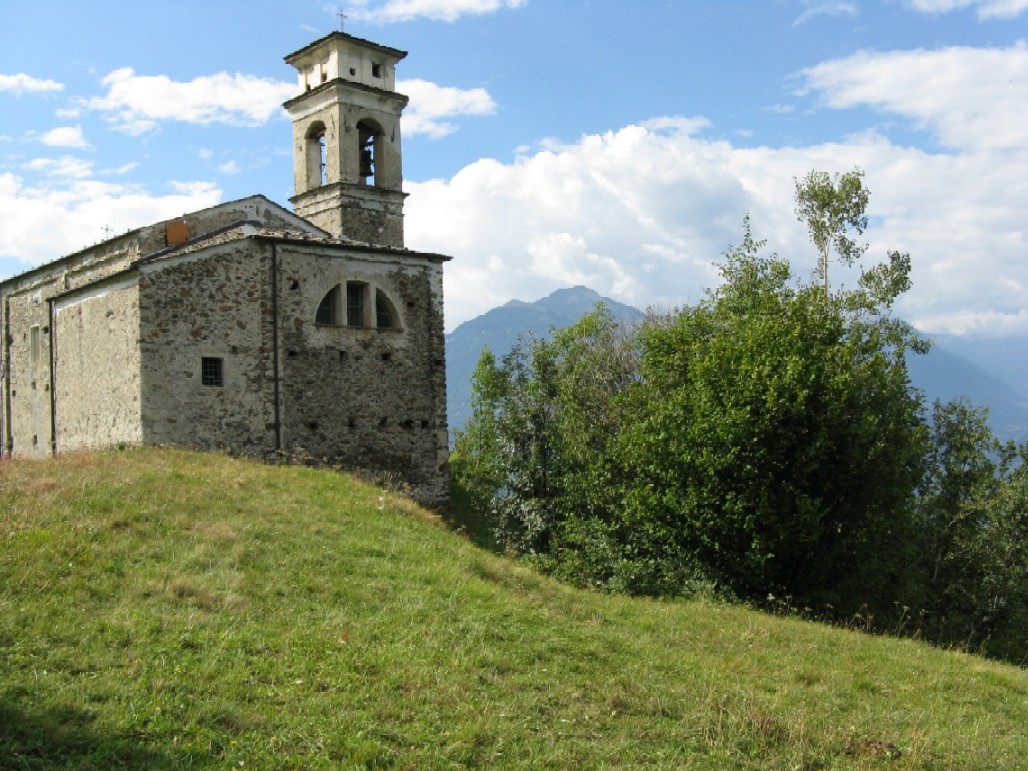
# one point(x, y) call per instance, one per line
point(500, 328)
point(1005, 357)
point(989, 372)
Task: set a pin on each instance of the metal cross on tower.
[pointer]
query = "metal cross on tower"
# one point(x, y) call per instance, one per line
point(342, 20)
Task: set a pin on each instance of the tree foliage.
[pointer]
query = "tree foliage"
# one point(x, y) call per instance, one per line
point(538, 447)
point(972, 517)
point(779, 439)
point(766, 442)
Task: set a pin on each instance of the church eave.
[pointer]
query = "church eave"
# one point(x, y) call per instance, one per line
point(256, 231)
point(344, 83)
point(97, 283)
point(331, 188)
point(351, 246)
point(394, 52)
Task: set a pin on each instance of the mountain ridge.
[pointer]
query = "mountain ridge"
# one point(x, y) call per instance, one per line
point(986, 371)
point(500, 328)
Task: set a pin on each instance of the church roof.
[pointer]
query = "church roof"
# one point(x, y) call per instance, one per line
point(395, 52)
point(244, 229)
point(144, 240)
point(240, 231)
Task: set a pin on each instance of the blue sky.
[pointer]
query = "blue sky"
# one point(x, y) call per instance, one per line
point(552, 142)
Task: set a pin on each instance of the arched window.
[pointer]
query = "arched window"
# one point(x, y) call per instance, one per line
point(358, 310)
point(369, 138)
point(316, 155)
point(385, 313)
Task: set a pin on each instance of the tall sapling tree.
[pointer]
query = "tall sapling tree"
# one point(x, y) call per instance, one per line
point(830, 206)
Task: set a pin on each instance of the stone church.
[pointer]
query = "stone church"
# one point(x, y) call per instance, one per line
point(247, 327)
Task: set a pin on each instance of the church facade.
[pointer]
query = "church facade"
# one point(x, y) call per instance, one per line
point(247, 327)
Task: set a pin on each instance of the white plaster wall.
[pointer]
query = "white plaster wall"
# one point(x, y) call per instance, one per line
point(29, 383)
point(97, 367)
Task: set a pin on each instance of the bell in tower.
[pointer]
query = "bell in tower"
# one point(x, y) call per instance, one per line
point(346, 139)
point(367, 145)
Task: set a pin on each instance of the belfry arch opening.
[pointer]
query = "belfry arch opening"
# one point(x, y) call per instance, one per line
point(316, 153)
point(369, 144)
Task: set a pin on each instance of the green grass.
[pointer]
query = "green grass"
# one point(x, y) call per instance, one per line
point(165, 609)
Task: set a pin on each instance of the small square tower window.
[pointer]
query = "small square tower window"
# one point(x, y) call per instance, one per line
point(212, 371)
point(376, 70)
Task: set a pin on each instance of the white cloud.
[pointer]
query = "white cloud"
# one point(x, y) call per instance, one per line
point(136, 104)
point(65, 167)
point(815, 8)
point(442, 10)
point(65, 136)
point(968, 97)
point(21, 83)
point(643, 214)
point(647, 219)
point(200, 189)
point(987, 9)
point(230, 167)
point(431, 105)
point(83, 206)
point(123, 169)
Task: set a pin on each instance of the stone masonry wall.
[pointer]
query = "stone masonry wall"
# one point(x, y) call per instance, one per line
point(366, 397)
point(129, 353)
point(213, 304)
point(25, 381)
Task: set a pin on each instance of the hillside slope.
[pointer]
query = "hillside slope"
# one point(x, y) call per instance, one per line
point(167, 609)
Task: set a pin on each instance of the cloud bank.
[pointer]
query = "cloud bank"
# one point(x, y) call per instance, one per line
point(87, 208)
point(65, 136)
point(432, 107)
point(137, 104)
point(643, 213)
point(22, 83)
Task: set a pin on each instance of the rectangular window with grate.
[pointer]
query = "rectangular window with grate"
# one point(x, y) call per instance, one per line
point(212, 371)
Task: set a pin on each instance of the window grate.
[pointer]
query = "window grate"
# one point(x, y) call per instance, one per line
point(212, 371)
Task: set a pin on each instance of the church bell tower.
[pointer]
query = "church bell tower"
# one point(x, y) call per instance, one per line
point(346, 139)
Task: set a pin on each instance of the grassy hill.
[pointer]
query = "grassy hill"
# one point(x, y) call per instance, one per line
point(165, 609)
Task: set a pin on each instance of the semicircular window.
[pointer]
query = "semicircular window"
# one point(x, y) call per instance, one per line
point(328, 309)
